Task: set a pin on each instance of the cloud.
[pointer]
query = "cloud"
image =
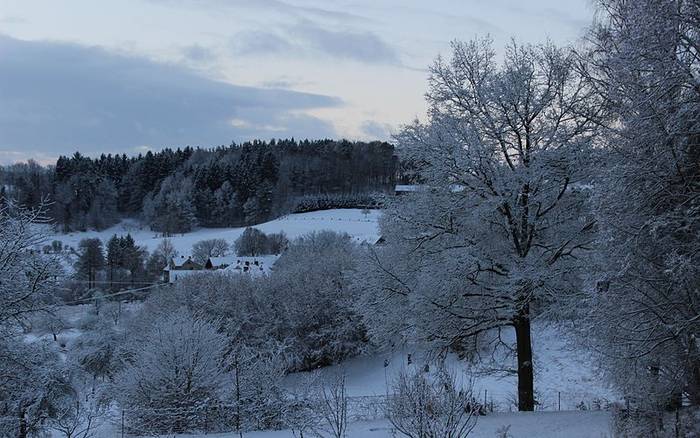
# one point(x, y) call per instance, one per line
point(59, 97)
point(197, 53)
point(309, 38)
point(376, 130)
point(262, 42)
point(12, 20)
point(279, 6)
point(360, 46)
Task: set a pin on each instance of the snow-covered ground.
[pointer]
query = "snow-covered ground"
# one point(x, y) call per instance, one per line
point(352, 221)
point(565, 424)
point(572, 424)
point(561, 370)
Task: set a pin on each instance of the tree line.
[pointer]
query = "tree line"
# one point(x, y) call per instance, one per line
point(175, 190)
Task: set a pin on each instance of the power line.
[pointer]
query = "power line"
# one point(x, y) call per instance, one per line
point(123, 292)
point(110, 282)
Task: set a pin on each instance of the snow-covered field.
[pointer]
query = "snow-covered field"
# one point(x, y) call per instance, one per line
point(352, 221)
point(561, 370)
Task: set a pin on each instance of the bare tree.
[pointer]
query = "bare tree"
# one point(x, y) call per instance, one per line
point(421, 407)
point(78, 418)
point(166, 250)
point(334, 407)
point(300, 414)
point(51, 322)
point(202, 250)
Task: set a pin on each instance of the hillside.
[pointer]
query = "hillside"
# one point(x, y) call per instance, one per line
point(363, 228)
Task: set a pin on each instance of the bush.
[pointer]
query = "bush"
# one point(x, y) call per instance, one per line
point(423, 408)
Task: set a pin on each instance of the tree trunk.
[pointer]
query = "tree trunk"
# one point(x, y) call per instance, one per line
point(22, 432)
point(526, 393)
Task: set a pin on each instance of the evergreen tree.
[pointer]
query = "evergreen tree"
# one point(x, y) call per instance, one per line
point(103, 211)
point(91, 260)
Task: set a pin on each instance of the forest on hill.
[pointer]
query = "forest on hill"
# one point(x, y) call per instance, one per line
point(175, 190)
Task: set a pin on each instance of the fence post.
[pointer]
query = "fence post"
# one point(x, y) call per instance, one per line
point(486, 391)
point(122, 423)
point(559, 400)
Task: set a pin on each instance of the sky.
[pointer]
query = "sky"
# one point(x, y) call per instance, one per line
point(129, 76)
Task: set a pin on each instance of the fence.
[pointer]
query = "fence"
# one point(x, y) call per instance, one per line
point(221, 417)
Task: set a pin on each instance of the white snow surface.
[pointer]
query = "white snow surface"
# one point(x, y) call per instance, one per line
point(561, 370)
point(571, 424)
point(565, 424)
point(359, 226)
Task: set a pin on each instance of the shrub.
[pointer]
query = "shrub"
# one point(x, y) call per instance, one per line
point(420, 407)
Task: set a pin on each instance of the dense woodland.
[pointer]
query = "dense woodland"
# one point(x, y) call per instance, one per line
point(175, 190)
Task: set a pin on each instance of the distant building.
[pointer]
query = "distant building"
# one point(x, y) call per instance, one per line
point(219, 262)
point(402, 189)
point(248, 265)
point(179, 268)
point(254, 266)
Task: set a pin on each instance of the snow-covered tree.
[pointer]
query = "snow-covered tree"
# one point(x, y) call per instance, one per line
point(33, 384)
point(492, 234)
point(252, 242)
point(170, 210)
point(77, 413)
point(312, 286)
point(49, 322)
point(96, 350)
point(423, 406)
point(173, 372)
point(90, 262)
point(27, 277)
point(30, 377)
point(202, 250)
point(645, 317)
point(256, 396)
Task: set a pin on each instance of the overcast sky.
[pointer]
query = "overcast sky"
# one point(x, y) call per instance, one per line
point(132, 75)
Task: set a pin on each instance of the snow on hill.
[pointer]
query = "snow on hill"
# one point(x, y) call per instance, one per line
point(352, 221)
